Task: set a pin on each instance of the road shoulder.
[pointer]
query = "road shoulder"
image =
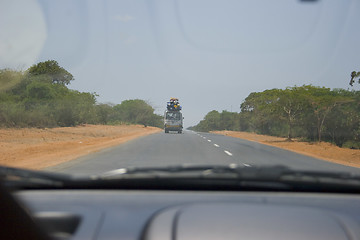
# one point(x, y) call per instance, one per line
point(34, 148)
point(323, 150)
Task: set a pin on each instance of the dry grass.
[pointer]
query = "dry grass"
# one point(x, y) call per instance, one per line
point(40, 148)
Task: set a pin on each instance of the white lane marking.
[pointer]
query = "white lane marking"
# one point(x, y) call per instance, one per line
point(204, 137)
point(209, 140)
point(216, 145)
point(246, 165)
point(228, 153)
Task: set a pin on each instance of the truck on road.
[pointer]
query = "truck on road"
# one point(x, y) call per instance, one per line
point(173, 119)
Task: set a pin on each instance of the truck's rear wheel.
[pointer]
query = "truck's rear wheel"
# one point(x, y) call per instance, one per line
point(180, 131)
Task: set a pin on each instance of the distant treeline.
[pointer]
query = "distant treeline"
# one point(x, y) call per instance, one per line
point(307, 112)
point(39, 97)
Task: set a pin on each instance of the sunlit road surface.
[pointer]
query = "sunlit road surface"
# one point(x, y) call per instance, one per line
point(192, 148)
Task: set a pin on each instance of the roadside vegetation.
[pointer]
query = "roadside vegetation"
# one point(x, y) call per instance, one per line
point(307, 112)
point(354, 75)
point(39, 97)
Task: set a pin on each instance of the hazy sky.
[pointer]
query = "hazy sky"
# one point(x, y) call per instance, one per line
point(209, 54)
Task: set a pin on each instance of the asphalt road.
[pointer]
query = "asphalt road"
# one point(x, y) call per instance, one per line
point(192, 148)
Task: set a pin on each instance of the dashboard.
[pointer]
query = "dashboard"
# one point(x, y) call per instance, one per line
point(150, 214)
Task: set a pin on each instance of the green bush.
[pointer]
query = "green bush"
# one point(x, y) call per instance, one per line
point(351, 144)
point(39, 97)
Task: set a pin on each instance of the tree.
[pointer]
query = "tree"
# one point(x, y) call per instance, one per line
point(229, 121)
point(212, 120)
point(290, 105)
point(40, 91)
point(52, 69)
point(103, 112)
point(354, 75)
point(343, 122)
point(136, 111)
point(323, 101)
point(9, 78)
point(260, 108)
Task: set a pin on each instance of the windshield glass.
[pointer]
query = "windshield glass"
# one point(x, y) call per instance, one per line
point(88, 87)
point(173, 116)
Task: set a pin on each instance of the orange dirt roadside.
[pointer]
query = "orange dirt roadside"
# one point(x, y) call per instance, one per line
point(33, 148)
point(323, 150)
